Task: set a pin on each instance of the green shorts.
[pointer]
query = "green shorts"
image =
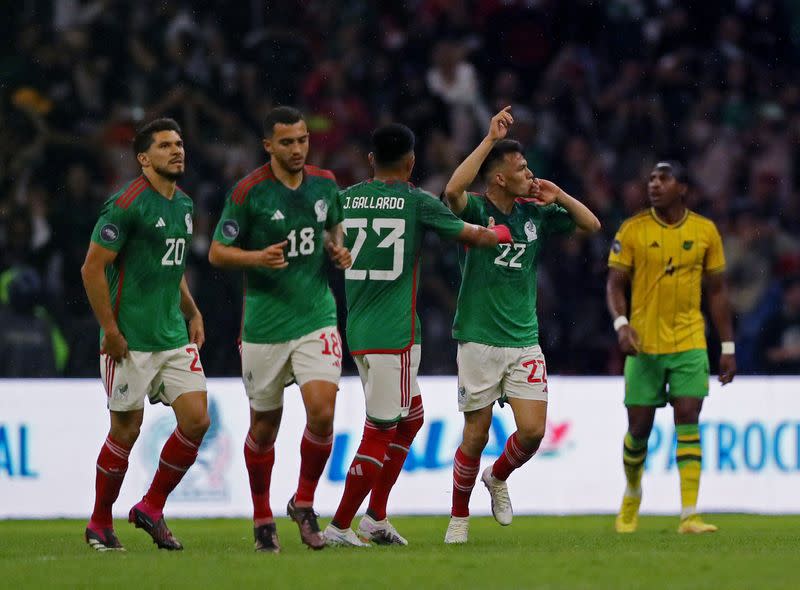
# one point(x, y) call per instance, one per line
point(652, 379)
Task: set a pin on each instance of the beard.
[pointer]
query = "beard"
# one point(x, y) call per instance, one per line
point(168, 174)
point(289, 166)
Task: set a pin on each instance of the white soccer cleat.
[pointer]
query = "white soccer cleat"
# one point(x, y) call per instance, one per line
point(501, 503)
point(336, 537)
point(380, 532)
point(457, 530)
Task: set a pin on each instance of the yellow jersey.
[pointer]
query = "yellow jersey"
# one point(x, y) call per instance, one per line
point(666, 263)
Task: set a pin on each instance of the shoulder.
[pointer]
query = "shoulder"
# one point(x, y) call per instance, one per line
point(125, 197)
point(319, 173)
point(354, 187)
point(635, 222)
point(182, 197)
point(243, 188)
point(701, 222)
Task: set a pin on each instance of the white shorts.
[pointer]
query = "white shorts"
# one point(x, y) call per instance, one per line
point(390, 381)
point(162, 376)
point(490, 373)
point(268, 368)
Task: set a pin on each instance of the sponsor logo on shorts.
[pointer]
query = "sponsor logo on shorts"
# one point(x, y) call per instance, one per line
point(230, 229)
point(109, 233)
point(321, 209)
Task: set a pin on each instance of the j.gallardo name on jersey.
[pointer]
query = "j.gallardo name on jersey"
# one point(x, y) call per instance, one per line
point(398, 203)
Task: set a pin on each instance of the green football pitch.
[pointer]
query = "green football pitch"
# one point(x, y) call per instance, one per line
point(534, 552)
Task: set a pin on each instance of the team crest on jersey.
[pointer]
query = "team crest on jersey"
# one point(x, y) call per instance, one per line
point(530, 230)
point(230, 229)
point(616, 247)
point(687, 245)
point(109, 232)
point(321, 209)
point(188, 220)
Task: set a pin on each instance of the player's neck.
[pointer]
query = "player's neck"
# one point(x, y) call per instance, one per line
point(164, 186)
point(390, 176)
point(292, 180)
point(500, 199)
point(672, 214)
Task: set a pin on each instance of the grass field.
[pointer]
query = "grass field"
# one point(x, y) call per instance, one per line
point(753, 552)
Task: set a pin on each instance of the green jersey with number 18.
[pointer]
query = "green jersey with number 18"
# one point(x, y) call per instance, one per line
point(384, 223)
point(151, 235)
point(497, 299)
point(282, 304)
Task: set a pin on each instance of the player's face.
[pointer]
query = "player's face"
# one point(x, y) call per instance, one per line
point(288, 146)
point(515, 176)
point(165, 155)
point(663, 189)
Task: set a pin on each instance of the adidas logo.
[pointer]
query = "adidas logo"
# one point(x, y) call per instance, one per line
point(278, 216)
point(654, 244)
point(160, 222)
point(356, 470)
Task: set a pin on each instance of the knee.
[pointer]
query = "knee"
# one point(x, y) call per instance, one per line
point(320, 421)
point(530, 436)
point(197, 427)
point(475, 441)
point(263, 433)
point(126, 435)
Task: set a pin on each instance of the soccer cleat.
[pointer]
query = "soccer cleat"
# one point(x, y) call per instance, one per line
point(336, 537)
point(457, 530)
point(694, 525)
point(103, 540)
point(501, 503)
point(628, 518)
point(266, 537)
point(380, 532)
point(306, 519)
point(155, 527)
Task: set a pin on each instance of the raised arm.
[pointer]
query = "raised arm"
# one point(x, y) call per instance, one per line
point(718, 304)
point(455, 194)
point(93, 273)
point(549, 192)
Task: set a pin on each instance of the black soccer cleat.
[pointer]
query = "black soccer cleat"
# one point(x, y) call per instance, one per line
point(306, 520)
point(104, 540)
point(158, 529)
point(266, 537)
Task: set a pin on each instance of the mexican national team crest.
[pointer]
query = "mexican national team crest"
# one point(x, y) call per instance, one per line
point(530, 230)
point(321, 209)
point(188, 220)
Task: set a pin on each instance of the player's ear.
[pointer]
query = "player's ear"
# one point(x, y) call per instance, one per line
point(371, 158)
point(410, 163)
point(500, 180)
point(143, 159)
point(267, 143)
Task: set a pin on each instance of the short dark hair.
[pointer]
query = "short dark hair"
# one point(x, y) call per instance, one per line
point(283, 115)
point(144, 135)
point(391, 142)
point(673, 168)
point(498, 153)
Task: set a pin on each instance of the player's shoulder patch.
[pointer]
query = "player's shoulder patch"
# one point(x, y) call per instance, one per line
point(128, 195)
point(319, 172)
point(246, 184)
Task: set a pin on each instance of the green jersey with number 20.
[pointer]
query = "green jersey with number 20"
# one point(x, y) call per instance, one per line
point(151, 235)
point(384, 223)
point(282, 304)
point(497, 299)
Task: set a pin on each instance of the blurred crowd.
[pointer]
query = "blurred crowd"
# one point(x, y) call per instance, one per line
point(600, 91)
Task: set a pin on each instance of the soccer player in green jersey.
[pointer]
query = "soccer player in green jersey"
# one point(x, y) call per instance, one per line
point(499, 357)
point(134, 279)
point(384, 222)
point(277, 224)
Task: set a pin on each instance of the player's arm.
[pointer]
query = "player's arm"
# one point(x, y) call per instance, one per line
point(719, 307)
point(334, 245)
point(616, 287)
point(547, 192)
point(191, 312)
point(224, 256)
point(455, 193)
point(93, 273)
point(484, 237)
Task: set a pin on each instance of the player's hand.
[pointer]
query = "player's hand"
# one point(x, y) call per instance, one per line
point(272, 256)
point(727, 368)
point(340, 256)
point(544, 192)
point(114, 345)
point(628, 340)
point(197, 330)
point(499, 125)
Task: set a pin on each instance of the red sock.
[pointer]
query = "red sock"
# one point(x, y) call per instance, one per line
point(465, 471)
point(514, 456)
point(363, 470)
point(259, 460)
point(314, 453)
point(178, 454)
point(396, 454)
point(112, 463)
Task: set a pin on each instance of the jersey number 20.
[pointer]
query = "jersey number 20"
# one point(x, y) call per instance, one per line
point(176, 250)
point(394, 239)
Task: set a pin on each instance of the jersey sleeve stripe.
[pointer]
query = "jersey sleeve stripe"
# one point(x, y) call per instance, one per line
point(134, 190)
point(248, 182)
point(620, 266)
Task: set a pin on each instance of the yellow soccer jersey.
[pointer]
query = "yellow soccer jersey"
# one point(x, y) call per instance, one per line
point(666, 263)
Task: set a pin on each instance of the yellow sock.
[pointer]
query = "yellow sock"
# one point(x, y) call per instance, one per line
point(689, 458)
point(634, 452)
